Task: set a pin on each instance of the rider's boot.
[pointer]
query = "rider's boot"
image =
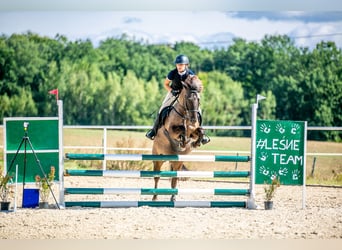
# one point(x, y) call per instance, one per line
point(205, 139)
point(152, 133)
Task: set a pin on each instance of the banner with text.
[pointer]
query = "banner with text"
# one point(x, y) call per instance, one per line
point(280, 151)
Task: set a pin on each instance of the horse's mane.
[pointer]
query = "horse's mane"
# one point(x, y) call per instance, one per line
point(194, 83)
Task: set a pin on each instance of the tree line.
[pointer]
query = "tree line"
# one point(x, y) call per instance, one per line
point(120, 82)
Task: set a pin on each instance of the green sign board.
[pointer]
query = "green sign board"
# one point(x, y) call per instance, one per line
point(41, 138)
point(280, 151)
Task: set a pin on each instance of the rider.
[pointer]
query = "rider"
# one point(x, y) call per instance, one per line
point(175, 77)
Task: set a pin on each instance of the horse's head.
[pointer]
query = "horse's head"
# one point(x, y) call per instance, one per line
point(193, 87)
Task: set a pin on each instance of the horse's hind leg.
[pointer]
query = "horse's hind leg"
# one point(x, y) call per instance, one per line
point(175, 166)
point(156, 167)
point(173, 185)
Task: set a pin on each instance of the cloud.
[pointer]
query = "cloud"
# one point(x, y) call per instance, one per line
point(208, 29)
point(128, 20)
point(306, 17)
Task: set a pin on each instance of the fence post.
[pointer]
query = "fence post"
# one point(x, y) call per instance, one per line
point(236, 163)
point(251, 201)
point(104, 141)
point(313, 167)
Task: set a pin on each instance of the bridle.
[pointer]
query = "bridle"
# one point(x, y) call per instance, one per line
point(188, 105)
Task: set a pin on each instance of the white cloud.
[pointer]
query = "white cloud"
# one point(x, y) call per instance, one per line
point(169, 27)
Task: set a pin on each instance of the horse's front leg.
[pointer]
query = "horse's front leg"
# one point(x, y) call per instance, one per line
point(198, 133)
point(180, 135)
point(156, 167)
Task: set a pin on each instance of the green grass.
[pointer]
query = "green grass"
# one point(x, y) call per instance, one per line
point(327, 171)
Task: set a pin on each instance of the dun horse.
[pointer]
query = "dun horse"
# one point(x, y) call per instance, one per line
point(181, 130)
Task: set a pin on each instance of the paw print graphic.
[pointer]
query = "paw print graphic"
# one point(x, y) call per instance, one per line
point(283, 171)
point(295, 174)
point(273, 175)
point(264, 128)
point(294, 129)
point(263, 170)
point(280, 128)
point(263, 156)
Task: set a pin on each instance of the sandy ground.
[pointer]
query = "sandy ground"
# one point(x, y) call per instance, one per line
point(321, 219)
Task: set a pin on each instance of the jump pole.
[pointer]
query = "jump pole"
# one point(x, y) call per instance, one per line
point(251, 200)
point(182, 204)
point(157, 191)
point(146, 157)
point(139, 174)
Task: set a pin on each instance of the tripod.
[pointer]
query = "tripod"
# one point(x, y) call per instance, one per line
point(26, 140)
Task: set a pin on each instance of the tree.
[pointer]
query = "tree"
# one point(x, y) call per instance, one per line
point(222, 101)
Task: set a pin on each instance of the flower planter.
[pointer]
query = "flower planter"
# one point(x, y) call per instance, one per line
point(43, 205)
point(268, 205)
point(4, 205)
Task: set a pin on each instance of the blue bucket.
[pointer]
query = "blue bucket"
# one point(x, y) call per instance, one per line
point(31, 198)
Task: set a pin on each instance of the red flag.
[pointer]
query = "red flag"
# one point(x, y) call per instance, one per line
point(54, 92)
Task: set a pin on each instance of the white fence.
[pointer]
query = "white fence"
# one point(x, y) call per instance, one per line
point(106, 128)
point(104, 147)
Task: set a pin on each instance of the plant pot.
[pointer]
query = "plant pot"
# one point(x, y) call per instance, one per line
point(268, 205)
point(5, 205)
point(43, 204)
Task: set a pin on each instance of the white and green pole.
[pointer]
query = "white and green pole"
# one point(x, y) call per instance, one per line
point(251, 201)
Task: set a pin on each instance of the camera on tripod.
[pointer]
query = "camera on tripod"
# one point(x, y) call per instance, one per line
point(26, 125)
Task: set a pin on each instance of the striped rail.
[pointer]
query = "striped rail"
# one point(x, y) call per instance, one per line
point(156, 191)
point(126, 204)
point(133, 174)
point(143, 157)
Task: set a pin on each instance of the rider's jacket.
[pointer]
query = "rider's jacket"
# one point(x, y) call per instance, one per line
point(177, 78)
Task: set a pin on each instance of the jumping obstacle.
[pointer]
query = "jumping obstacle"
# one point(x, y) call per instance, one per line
point(157, 191)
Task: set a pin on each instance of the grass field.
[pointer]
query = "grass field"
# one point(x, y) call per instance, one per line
point(327, 170)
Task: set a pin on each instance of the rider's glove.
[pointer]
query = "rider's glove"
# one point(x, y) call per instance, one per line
point(175, 92)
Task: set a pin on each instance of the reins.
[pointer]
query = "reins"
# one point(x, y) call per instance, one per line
point(185, 106)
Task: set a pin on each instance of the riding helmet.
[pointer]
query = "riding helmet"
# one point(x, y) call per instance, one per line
point(182, 59)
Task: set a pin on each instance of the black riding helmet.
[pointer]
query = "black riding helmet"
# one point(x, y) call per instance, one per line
point(182, 59)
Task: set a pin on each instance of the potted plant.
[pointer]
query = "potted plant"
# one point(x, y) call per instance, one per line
point(270, 190)
point(5, 191)
point(44, 184)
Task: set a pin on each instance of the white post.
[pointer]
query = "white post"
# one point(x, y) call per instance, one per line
point(61, 159)
point(304, 167)
point(251, 200)
point(16, 188)
point(104, 162)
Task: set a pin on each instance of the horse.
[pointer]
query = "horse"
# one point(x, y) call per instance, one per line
point(181, 129)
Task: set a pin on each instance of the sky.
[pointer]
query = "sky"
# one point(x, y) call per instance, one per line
point(207, 28)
